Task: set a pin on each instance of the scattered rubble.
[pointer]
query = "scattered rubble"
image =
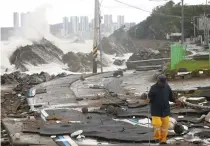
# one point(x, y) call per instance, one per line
point(17, 97)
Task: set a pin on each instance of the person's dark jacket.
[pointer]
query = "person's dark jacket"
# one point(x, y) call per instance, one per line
point(160, 96)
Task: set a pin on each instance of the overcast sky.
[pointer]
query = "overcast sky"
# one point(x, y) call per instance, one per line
point(60, 8)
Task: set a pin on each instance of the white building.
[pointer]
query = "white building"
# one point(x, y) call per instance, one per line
point(84, 25)
point(74, 24)
point(23, 19)
point(16, 20)
point(65, 26)
point(108, 23)
point(120, 20)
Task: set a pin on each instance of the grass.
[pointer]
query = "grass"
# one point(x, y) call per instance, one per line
point(192, 65)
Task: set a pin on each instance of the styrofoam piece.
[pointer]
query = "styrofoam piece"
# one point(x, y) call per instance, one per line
point(76, 133)
point(17, 135)
point(172, 123)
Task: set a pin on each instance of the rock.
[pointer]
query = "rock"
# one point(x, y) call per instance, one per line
point(61, 75)
point(118, 62)
point(84, 110)
point(45, 76)
point(110, 109)
point(78, 62)
point(187, 76)
point(82, 78)
point(178, 129)
point(143, 96)
point(40, 52)
point(113, 94)
point(118, 73)
point(35, 79)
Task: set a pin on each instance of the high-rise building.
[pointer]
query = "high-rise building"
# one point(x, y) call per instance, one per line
point(84, 23)
point(23, 19)
point(120, 20)
point(107, 23)
point(15, 19)
point(74, 24)
point(65, 25)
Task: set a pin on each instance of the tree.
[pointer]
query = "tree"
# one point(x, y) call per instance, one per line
point(167, 19)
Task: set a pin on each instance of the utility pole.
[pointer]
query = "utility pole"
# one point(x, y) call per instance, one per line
point(100, 45)
point(182, 23)
point(95, 37)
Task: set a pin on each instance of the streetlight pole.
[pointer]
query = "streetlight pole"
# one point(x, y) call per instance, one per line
point(194, 27)
point(182, 23)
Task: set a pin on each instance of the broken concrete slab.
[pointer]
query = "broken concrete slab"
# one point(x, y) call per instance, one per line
point(14, 126)
point(101, 131)
point(203, 134)
point(207, 118)
point(196, 100)
point(41, 90)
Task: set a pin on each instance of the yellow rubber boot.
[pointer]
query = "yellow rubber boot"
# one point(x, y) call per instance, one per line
point(156, 122)
point(164, 128)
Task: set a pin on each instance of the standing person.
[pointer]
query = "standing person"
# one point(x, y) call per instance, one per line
point(159, 96)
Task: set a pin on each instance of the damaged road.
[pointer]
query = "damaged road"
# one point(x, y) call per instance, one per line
point(117, 116)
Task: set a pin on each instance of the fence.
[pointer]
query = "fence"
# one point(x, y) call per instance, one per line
point(177, 54)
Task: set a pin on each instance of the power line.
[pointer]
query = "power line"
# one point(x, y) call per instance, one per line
point(129, 5)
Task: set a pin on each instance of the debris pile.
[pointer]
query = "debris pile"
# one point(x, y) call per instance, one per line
point(16, 98)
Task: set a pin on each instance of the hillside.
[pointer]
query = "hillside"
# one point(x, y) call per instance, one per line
point(159, 23)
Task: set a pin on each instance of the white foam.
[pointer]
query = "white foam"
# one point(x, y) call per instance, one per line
point(36, 27)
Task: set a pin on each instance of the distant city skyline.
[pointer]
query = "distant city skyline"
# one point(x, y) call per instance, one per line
point(57, 9)
point(75, 24)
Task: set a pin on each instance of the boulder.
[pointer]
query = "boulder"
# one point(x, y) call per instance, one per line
point(118, 73)
point(45, 76)
point(178, 129)
point(110, 109)
point(144, 96)
point(78, 62)
point(40, 52)
point(118, 62)
point(61, 75)
point(84, 110)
